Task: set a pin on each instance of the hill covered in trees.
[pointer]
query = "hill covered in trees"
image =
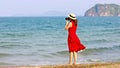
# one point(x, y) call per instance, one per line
point(104, 10)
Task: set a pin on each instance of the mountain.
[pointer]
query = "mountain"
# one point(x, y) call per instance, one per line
point(104, 10)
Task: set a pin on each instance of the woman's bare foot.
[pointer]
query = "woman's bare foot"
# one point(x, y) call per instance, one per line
point(75, 63)
point(70, 63)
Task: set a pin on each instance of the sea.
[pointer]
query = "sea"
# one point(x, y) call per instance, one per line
point(43, 40)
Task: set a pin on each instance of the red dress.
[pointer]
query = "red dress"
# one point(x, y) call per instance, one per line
point(74, 43)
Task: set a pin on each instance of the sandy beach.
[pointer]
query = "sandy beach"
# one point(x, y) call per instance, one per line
point(92, 65)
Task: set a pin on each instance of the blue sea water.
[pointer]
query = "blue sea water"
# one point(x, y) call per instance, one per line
point(43, 40)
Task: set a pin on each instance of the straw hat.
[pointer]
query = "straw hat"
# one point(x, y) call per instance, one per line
point(72, 16)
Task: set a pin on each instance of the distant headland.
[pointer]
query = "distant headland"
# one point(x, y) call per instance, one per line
point(104, 10)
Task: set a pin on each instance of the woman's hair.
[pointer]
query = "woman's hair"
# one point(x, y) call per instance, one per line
point(75, 21)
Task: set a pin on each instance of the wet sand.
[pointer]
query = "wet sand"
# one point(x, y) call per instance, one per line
point(92, 65)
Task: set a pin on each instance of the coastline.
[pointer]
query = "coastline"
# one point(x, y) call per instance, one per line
point(91, 65)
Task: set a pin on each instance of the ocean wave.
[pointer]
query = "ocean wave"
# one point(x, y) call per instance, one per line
point(12, 46)
point(4, 55)
point(92, 51)
point(98, 41)
point(12, 34)
point(4, 63)
point(96, 51)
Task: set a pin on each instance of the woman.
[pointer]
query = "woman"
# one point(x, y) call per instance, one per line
point(74, 43)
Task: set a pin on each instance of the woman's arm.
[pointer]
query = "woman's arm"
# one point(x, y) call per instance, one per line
point(68, 25)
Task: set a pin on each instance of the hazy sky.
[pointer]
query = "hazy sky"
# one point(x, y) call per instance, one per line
point(41, 7)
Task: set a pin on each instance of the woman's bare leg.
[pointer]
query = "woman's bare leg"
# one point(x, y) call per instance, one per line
point(70, 58)
point(75, 57)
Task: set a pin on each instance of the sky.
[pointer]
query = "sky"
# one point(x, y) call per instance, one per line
point(48, 7)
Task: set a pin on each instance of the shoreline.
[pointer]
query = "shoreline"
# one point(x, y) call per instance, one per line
point(90, 65)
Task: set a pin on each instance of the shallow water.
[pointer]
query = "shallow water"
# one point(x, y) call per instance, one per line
point(43, 40)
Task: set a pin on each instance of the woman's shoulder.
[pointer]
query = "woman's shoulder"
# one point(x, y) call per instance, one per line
point(70, 24)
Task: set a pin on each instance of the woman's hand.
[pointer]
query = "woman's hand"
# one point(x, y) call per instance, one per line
point(68, 25)
point(67, 21)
